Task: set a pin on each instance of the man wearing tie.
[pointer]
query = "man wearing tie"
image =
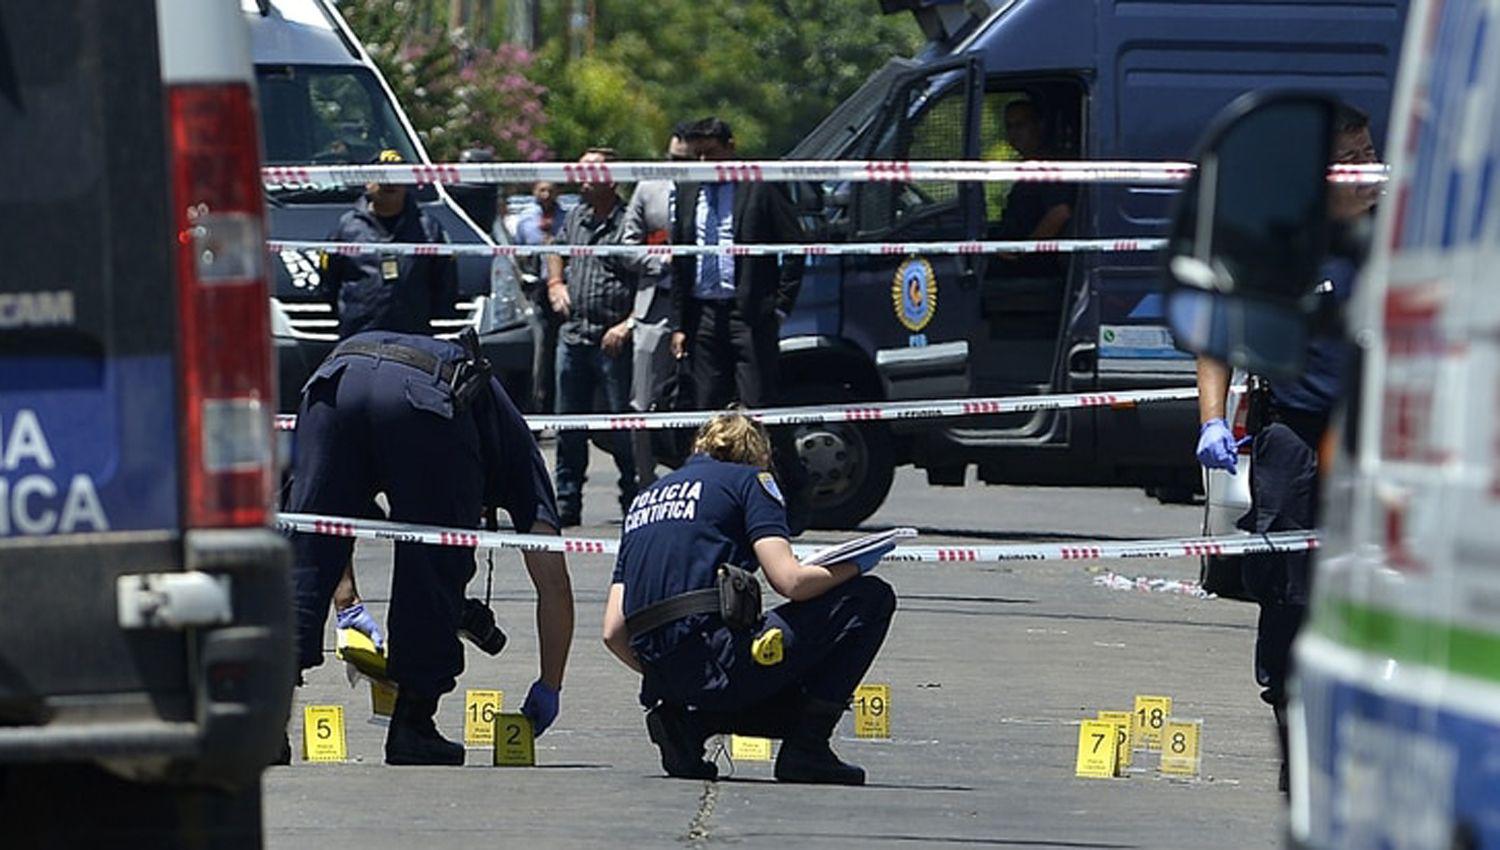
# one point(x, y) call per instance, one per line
point(727, 311)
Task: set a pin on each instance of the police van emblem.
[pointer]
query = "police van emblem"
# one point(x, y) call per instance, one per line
point(914, 293)
point(768, 483)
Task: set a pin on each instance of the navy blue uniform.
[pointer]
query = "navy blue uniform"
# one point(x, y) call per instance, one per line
point(1284, 489)
point(369, 425)
point(677, 533)
point(385, 291)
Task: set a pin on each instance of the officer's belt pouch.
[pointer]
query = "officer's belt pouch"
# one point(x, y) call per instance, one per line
point(739, 597)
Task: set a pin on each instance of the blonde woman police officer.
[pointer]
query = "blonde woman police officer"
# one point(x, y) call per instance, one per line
point(788, 674)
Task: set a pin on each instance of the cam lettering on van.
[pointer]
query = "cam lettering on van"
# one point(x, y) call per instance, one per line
point(36, 309)
point(33, 500)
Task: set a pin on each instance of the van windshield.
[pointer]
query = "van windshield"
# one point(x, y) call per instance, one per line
point(326, 115)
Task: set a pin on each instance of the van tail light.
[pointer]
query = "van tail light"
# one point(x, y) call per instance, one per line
point(224, 340)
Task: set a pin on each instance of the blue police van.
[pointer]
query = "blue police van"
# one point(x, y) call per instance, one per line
point(1107, 79)
point(145, 615)
point(323, 101)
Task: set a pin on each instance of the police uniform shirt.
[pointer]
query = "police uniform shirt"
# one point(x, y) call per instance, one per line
point(1328, 356)
point(386, 291)
point(679, 530)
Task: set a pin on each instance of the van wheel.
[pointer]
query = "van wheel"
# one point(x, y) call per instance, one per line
point(849, 467)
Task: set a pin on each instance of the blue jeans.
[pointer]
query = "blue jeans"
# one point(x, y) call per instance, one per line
point(582, 371)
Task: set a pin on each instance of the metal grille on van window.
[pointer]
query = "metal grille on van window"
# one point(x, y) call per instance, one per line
point(316, 320)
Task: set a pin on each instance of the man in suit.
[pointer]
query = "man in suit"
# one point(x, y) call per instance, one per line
point(727, 311)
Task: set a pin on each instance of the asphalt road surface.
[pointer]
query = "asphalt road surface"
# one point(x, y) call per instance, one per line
point(991, 668)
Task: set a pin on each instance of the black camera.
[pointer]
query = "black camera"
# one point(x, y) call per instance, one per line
point(478, 625)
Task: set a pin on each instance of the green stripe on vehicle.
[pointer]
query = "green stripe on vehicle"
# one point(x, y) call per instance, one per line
point(1416, 640)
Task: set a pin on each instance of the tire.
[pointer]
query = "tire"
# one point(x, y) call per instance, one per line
point(849, 466)
point(41, 809)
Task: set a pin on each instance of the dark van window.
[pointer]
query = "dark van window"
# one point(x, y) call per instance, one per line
point(326, 116)
point(933, 129)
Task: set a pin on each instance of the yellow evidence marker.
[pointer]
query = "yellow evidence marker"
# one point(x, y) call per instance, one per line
point(355, 648)
point(382, 697)
point(1151, 714)
point(515, 745)
point(480, 710)
point(746, 748)
point(1179, 748)
point(1123, 740)
point(872, 711)
point(323, 733)
point(1098, 748)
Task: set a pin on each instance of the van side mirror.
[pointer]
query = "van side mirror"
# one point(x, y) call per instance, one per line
point(1251, 232)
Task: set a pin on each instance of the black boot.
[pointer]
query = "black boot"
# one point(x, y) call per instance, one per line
point(680, 739)
point(805, 755)
point(413, 738)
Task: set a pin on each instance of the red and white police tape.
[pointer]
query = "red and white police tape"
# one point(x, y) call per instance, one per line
point(785, 171)
point(1085, 550)
point(887, 411)
point(842, 249)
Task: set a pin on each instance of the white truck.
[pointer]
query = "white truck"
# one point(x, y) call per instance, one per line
point(1395, 717)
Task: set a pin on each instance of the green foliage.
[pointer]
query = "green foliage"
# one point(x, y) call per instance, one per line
point(772, 68)
point(458, 94)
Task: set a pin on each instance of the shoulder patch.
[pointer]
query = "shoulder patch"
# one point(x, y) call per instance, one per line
point(768, 483)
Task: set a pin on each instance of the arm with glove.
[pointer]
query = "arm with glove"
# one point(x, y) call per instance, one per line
point(1217, 448)
point(798, 581)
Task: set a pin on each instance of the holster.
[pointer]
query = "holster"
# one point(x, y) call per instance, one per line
point(739, 597)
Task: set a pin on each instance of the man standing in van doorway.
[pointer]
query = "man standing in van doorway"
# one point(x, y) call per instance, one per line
point(1291, 418)
point(1033, 210)
point(387, 291)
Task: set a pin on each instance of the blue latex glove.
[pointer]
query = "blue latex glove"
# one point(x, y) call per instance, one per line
point(1216, 446)
point(357, 618)
point(867, 561)
point(541, 706)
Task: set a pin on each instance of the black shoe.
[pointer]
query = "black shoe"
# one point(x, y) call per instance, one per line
point(680, 742)
point(567, 520)
point(805, 755)
point(816, 765)
point(414, 739)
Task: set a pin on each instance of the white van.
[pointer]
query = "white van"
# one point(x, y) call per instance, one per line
point(1395, 717)
point(323, 101)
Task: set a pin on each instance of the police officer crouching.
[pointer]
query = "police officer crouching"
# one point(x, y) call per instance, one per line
point(422, 420)
point(681, 613)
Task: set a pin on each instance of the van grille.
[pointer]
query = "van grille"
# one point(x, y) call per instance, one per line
point(316, 319)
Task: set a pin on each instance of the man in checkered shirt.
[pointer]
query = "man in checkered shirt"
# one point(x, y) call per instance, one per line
point(595, 296)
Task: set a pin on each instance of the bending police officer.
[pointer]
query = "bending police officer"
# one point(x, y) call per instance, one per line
point(421, 420)
point(1289, 420)
point(708, 667)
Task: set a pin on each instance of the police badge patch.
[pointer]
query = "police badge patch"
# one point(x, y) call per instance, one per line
point(914, 293)
point(768, 483)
